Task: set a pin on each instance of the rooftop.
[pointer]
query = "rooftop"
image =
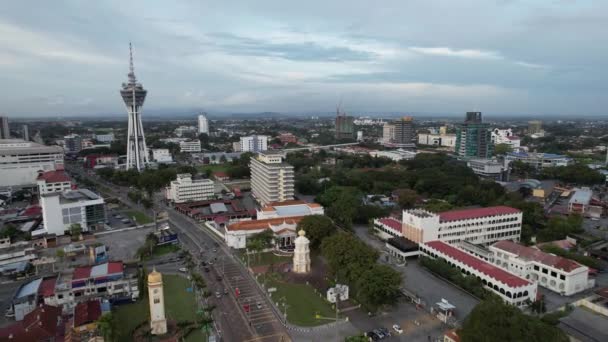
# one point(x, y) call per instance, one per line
point(468, 214)
point(262, 224)
point(480, 265)
point(537, 155)
point(533, 254)
point(75, 195)
point(391, 223)
point(581, 196)
point(58, 176)
point(42, 324)
point(17, 146)
point(87, 312)
point(98, 271)
point(291, 208)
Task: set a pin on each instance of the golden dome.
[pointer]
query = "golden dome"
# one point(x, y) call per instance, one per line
point(155, 277)
point(301, 232)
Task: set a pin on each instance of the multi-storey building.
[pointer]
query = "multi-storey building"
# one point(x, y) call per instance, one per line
point(287, 137)
point(345, 128)
point(25, 130)
point(473, 138)
point(272, 180)
point(538, 160)
point(404, 134)
point(580, 200)
point(72, 143)
point(535, 127)
point(5, 132)
point(53, 181)
point(284, 230)
point(161, 155)
point(181, 130)
point(513, 289)
point(488, 168)
point(21, 161)
point(62, 209)
point(505, 136)
point(105, 138)
point(190, 146)
point(556, 273)
point(186, 189)
point(388, 133)
point(481, 226)
point(445, 140)
point(289, 209)
point(203, 124)
point(254, 143)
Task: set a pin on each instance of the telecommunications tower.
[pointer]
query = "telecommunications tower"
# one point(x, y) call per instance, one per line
point(134, 94)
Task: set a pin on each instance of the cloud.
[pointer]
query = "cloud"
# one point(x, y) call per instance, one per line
point(464, 53)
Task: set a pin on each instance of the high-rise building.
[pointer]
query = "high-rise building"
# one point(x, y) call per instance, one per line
point(21, 161)
point(62, 209)
point(134, 94)
point(535, 127)
point(388, 133)
point(254, 143)
point(72, 143)
point(203, 124)
point(272, 180)
point(474, 138)
point(5, 132)
point(404, 134)
point(345, 127)
point(185, 189)
point(26, 132)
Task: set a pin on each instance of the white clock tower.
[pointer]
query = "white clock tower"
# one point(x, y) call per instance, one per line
point(158, 322)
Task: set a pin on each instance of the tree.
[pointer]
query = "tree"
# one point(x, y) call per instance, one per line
point(559, 227)
point(317, 228)
point(379, 285)
point(493, 320)
point(60, 253)
point(437, 206)
point(105, 324)
point(406, 198)
point(75, 231)
point(347, 256)
point(342, 203)
point(502, 149)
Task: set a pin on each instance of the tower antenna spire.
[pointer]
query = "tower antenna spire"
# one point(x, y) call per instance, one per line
point(132, 78)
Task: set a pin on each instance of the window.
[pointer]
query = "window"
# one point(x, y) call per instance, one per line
point(536, 268)
point(156, 300)
point(545, 271)
point(562, 276)
point(554, 274)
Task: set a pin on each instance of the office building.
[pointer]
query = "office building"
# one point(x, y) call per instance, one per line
point(162, 155)
point(444, 140)
point(25, 130)
point(489, 169)
point(185, 189)
point(105, 138)
point(538, 160)
point(133, 94)
point(511, 288)
point(287, 138)
point(506, 137)
point(480, 226)
point(556, 273)
point(189, 130)
point(254, 143)
point(404, 134)
point(53, 181)
point(72, 143)
point(345, 128)
point(20, 161)
point(272, 180)
point(203, 124)
point(473, 138)
point(193, 146)
point(5, 132)
point(291, 208)
point(62, 209)
point(535, 127)
point(388, 133)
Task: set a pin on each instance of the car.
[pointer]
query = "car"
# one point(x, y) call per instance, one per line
point(215, 250)
point(378, 333)
point(372, 335)
point(218, 294)
point(218, 278)
point(397, 329)
point(258, 305)
point(225, 291)
point(385, 332)
point(183, 269)
point(210, 262)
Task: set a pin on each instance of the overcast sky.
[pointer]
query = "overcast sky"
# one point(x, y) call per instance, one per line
point(429, 56)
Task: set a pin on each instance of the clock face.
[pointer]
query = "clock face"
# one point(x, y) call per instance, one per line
point(155, 291)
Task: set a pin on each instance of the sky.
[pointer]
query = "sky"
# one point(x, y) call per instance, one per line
point(529, 57)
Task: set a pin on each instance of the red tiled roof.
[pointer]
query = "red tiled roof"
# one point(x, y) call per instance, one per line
point(220, 174)
point(32, 211)
point(467, 214)
point(283, 203)
point(58, 176)
point(39, 325)
point(391, 223)
point(261, 224)
point(480, 265)
point(115, 267)
point(81, 272)
point(529, 253)
point(87, 312)
point(47, 287)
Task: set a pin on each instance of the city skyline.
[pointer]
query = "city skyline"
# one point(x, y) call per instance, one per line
point(500, 57)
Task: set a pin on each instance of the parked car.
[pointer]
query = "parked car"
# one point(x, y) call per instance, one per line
point(225, 291)
point(397, 329)
point(385, 332)
point(218, 294)
point(258, 305)
point(183, 269)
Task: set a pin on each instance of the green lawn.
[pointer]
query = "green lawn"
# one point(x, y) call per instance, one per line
point(140, 217)
point(165, 249)
point(179, 306)
point(303, 303)
point(213, 167)
point(265, 259)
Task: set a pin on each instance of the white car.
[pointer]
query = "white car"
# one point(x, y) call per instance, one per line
point(183, 269)
point(397, 328)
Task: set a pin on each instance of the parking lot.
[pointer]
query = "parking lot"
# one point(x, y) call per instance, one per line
point(123, 245)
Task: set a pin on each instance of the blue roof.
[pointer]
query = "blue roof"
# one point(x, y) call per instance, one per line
point(544, 155)
point(29, 288)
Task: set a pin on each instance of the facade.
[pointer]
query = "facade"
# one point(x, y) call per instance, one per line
point(489, 169)
point(133, 94)
point(284, 231)
point(186, 189)
point(25, 129)
point(161, 155)
point(473, 138)
point(388, 133)
point(272, 180)
point(444, 140)
point(291, 208)
point(538, 160)
point(580, 201)
point(505, 136)
point(556, 273)
point(395, 155)
point(388, 227)
point(72, 143)
point(286, 138)
point(105, 138)
point(345, 128)
point(5, 132)
point(190, 146)
point(480, 226)
point(181, 130)
point(93, 161)
point(535, 127)
point(513, 289)
point(301, 254)
point(61, 210)
point(404, 134)
point(53, 181)
point(21, 161)
point(254, 143)
point(203, 123)
point(156, 298)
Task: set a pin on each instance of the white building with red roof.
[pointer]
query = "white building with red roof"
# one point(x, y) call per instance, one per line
point(290, 208)
point(512, 288)
point(556, 273)
point(283, 229)
point(53, 181)
point(480, 226)
point(387, 227)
